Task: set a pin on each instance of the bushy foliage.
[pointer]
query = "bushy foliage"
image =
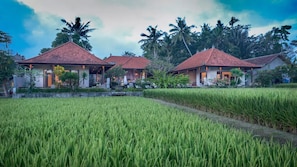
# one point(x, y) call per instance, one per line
point(164, 80)
point(268, 78)
point(70, 79)
point(265, 78)
point(236, 73)
point(115, 73)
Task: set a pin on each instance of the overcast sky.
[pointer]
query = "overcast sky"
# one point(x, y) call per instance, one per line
point(119, 23)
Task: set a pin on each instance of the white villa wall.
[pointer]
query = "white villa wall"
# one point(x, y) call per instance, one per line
point(38, 77)
point(275, 63)
point(211, 75)
point(242, 83)
point(198, 78)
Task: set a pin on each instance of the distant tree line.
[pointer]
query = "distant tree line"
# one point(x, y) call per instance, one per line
point(233, 38)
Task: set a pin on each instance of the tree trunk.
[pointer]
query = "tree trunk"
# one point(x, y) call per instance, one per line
point(187, 46)
point(155, 54)
point(5, 89)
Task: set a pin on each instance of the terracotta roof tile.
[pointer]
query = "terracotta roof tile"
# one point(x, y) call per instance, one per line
point(68, 53)
point(128, 62)
point(263, 60)
point(212, 57)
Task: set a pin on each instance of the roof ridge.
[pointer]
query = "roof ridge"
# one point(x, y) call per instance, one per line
point(51, 49)
point(130, 58)
point(211, 51)
point(270, 55)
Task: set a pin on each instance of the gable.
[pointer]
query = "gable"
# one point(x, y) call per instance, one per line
point(273, 64)
point(266, 60)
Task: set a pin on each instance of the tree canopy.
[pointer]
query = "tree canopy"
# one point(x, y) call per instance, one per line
point(77, 32)
point(232, 38)
point(7, 64)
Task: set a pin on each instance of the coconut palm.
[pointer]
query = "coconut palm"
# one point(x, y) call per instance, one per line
point(79, 28)
point(181, 32)
point(5, 38)
point(6, 62)
point(233, 21)
point(152, 40)
point(283, 31)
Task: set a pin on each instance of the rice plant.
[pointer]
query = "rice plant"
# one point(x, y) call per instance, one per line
point(271, 107)
point(129, 131)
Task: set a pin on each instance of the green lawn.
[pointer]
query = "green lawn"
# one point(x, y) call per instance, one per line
point(124, 131)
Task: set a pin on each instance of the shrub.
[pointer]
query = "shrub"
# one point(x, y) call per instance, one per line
point(70, 79)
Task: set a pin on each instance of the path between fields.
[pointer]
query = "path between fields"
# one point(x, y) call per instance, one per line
point(257, 130)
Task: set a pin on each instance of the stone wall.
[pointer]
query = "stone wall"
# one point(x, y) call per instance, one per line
point(75, 94)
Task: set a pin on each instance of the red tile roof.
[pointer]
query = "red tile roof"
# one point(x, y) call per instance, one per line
point(128, 62)
point(212, 57)
point(263, 60)
point(68, 53)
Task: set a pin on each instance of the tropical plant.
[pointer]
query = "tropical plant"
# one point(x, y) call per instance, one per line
point(7, 67)
point(267, 78)
point(182, 32)
point(159, 65)
point(43, 50)
point(237, 74)
point(115, 74)
point(59, 71)
point(7, 64)
point(5, 38)
point(152, 41)
point(84, 77)
point(127, 53)
point(162, 79)
point(70, 79)
point(78, 29)
point(233, 21)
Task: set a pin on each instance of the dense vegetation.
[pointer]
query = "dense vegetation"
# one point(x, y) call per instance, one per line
point(109, 132)
point(182, 42)
point(271, 107)
point(7, 64)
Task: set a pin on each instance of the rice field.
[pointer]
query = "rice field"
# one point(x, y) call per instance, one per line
point(124, 131)
point(271, 107)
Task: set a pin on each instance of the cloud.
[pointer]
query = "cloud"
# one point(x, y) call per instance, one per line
point(119, 23)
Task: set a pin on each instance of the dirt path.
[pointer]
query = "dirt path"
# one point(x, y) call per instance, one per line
point(257, 130)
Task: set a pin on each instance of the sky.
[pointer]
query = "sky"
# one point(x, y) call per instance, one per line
point(33, 24)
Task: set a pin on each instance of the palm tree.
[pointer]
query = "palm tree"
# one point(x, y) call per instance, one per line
point(233, 21)
point(78, 29)
point(152, 41)
point(218, 35)
point(5, 38)
point(181, 32)
point(6, 62)
point(283, 31)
